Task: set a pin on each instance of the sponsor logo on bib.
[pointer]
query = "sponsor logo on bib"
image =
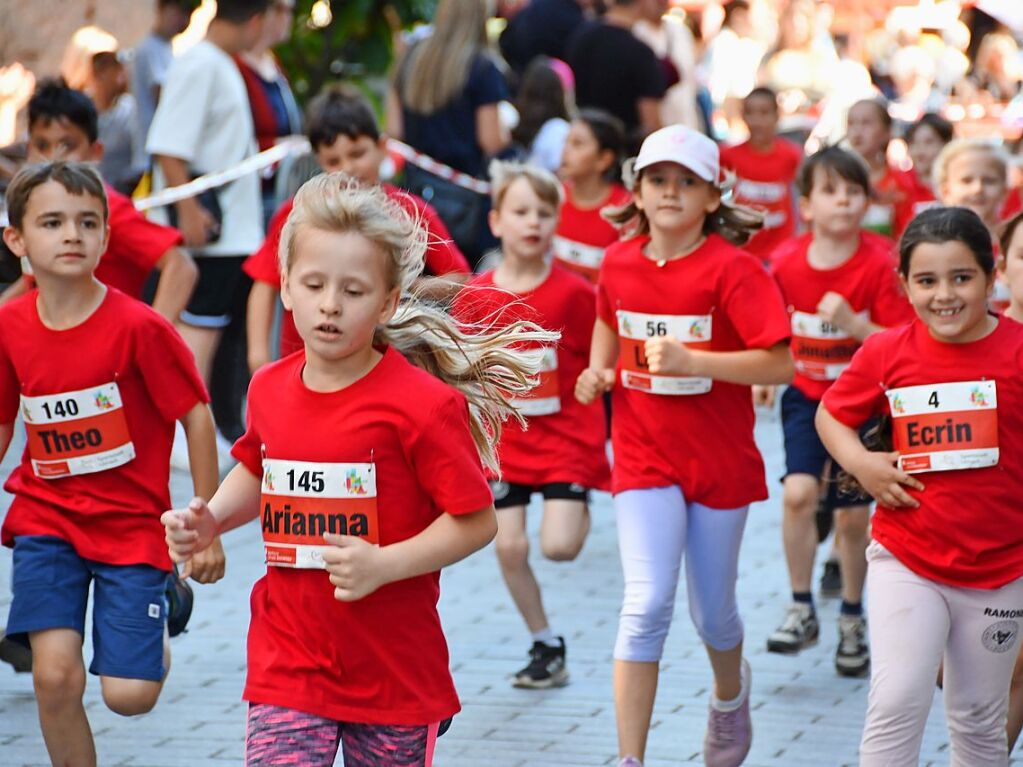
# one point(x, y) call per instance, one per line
point(77, 432)
point(945, 427)
point(301, 501)
point(635, 328)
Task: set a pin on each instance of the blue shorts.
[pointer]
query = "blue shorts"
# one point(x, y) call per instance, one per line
point(129, 609)
point(806, 454)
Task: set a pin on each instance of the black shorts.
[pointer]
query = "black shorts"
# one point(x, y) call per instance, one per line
point(213, 299)
point(508, 494)
point(806, 454)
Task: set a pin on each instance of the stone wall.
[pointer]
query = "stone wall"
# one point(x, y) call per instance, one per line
point(34, 32)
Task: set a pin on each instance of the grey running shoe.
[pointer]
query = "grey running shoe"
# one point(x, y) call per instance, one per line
point(853, 655)
point(831, 580)
point(798, 631)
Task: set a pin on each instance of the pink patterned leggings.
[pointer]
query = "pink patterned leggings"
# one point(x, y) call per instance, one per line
point(277, 737)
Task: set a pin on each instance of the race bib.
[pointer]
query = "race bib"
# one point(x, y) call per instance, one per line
point(821, 350)
point(545, 399)
point(580, 258)
point(1000, 298)
point(878, 218)
point(301, 501)
point(77, 432)
point(635, 328)
point(943, 427)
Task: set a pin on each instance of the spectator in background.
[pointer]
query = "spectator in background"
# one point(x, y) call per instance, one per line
point(444, 102)
point(151, 59)
point(543, 105)
point(123, 160)
point(541, 28)
point(801, 66)
point(275, 112)
point(672, 41)
point(203, 124)
point(730, 64)
point(617, 72)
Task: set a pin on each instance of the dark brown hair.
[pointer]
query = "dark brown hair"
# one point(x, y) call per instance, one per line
point(76, 177)
point(1009, 229)
point(951, 224)
point(836, 160)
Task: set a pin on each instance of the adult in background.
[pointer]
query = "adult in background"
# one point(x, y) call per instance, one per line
point(673, 43)
point(731, 62)
point(275, 112)
point(152, 57)
point(541, 28)
point(202, 125)
point(444, 103)
point(617, 72)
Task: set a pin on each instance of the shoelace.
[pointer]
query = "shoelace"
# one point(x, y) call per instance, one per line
point(851, 637)
point(723, 725)
point(793, 620)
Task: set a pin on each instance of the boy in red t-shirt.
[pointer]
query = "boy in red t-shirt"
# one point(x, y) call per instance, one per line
point(94, 477)
point(765, 166)
point(345, 137)
point(839, 287)
point(62, 125)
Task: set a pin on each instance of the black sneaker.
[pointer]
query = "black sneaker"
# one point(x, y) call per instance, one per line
point(831, 580)
point(853, 655)
point(798, 631)
point(546, 667)
point(179, 603)
point(17, 653)
point(825, 519)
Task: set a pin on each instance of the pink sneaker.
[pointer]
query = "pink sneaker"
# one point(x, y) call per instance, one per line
point(630, 761)
point(729, 733)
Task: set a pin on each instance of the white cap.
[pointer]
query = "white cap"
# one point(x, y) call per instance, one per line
point(684, 146)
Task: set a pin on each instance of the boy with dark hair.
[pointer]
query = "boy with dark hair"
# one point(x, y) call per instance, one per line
point(202, 125)
point(840, 287)
point(93, 481)
point(765, 167)
point(344, 135)
point(62, 125)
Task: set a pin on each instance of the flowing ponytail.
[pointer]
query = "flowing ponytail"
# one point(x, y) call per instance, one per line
point(490, 366)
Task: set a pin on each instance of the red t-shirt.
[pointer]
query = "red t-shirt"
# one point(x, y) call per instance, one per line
point(892, 192)
point(136, 246)
point(764, 181)
point(565, 439)
point(111, 516)
point(867, 281)
point(583, 234)
point(442, 254)
point(968, 530)
point(1013, 204)
point(703, 443)
point(382, 659)
point(917, 197)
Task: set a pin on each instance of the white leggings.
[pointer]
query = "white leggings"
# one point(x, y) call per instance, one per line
point(914, 622)
point(655, 527)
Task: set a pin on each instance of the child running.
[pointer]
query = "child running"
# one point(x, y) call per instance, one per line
point(589, 167)
point(869, 130)
point(946, 560)
point(100, 379)
point(344, 136)
point(840, 288)
point(975, 174)
point(561, 455)
point(765, 166)
point(364, 456)
point(686, 323)
point(924, 139)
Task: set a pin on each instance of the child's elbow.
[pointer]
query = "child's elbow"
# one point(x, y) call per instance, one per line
point(486, 527)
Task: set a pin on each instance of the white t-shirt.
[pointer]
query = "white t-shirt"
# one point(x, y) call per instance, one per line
point(203, 118)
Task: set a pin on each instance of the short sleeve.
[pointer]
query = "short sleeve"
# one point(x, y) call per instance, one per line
point(604, 310)
point(264, 264)
point(167, 366)
point(180, 118)
point(486, 83)
point(10, 387)
point(648, 75)
point(135, 238)
point(858, 394)
point(446, 462)
point(249, 447)
point(442, 254)
point(753, 303)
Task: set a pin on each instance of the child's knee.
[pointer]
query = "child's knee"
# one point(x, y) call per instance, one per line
point(644, 623)
point(58, 679)
point(800, 494)
point(562, 550)
point(130, 697)
point(512, 550)
point(852, 522)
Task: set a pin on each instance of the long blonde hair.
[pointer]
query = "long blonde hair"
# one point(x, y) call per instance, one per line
point(489, 366)
point(436, 70)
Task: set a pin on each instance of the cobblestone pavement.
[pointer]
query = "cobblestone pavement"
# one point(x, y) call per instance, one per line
point(803, 714)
